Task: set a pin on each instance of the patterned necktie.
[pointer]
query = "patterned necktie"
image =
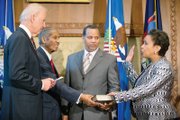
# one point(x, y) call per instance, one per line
point(33, 43)
point(86, 62)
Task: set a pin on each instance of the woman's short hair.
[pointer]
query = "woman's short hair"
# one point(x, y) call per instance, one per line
point(160, 38)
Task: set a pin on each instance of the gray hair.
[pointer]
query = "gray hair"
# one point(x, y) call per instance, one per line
point(46, 33)
point(31, 9)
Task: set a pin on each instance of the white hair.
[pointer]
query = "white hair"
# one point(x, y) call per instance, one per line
point(31, 9)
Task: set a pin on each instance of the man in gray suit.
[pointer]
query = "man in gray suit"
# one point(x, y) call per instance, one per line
point(90, 71)
point(49, 42)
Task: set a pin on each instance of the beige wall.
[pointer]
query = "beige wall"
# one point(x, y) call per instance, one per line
point(67, 46)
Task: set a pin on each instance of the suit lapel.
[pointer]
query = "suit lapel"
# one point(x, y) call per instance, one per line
point(97, 58)
point(79, 60)
point(47, 61)
point(143, 76)
point(34, 51)
point(32, 47)
point(44, 55)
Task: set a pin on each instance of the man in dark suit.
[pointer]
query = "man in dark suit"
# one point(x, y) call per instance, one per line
point(23, 86)
point(49, 42)
point(90, 71)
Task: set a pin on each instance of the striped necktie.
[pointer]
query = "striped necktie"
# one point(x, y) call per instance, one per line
point(86, 62)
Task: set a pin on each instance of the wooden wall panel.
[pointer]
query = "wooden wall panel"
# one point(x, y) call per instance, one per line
point(70, 18)
point(178, 39)
point(136, 23)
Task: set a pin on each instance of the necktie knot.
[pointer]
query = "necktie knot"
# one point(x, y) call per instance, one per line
point(86, 62)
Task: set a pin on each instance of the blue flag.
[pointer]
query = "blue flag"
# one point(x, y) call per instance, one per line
point(115, 43)
point(6, 28)
point(152, 16)
point(6, 20)
point(152, 21)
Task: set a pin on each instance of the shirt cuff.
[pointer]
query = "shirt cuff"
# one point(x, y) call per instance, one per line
point(78, 100)
point(42, 87)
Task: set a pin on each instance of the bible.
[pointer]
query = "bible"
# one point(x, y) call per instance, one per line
point(103, 98)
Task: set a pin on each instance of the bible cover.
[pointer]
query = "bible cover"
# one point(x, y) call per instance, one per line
point(103, 98)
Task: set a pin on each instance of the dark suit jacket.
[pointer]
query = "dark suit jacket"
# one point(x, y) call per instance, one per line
point(101, 78)
point(22, 97)
point(51, 99)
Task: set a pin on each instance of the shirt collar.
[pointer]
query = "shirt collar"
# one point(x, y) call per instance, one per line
point(47, 53)
point(26, 30)
point(92, 53)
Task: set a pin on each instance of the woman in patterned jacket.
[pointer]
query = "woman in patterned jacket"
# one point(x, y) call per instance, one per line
point(152, 88)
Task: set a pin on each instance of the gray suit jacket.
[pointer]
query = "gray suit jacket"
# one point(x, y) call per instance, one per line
point(101, 78)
